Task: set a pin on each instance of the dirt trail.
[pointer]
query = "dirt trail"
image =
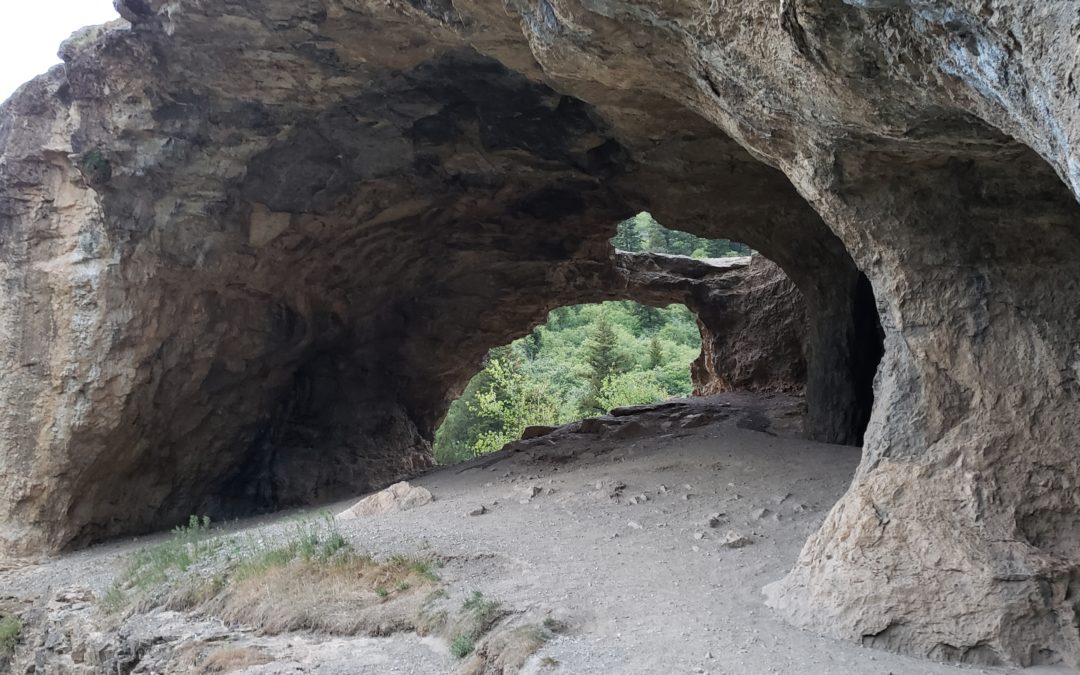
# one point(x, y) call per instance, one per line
point(609, 533)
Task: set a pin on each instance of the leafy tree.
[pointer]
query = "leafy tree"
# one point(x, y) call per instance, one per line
point(656, 237)
point(633, 388)
point(530, 344)
point(644, 233)
point(626, 237)
point(512, 402)
point(656, 353)
point(649, 318)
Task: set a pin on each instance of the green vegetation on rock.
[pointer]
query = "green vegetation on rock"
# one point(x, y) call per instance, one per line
point(10, 630)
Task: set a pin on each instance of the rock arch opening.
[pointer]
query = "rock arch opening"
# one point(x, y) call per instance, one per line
point(447, 206)
point(218, 261)
point(584, 361)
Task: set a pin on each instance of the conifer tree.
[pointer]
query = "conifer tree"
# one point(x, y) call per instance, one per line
point(602, 358)
point(656, 353)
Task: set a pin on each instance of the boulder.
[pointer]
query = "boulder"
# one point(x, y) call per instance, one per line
point(398, 497)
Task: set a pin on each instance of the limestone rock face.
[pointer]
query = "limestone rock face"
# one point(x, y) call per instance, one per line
point(247, 250)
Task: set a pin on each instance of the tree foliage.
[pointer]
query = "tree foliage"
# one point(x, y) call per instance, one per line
point(585, 360)
point(643, 233)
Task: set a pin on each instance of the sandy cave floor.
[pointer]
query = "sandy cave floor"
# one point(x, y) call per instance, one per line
point(642, 592)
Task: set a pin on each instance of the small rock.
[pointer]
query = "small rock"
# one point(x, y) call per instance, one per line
point(633, 525)
point(536, 431)
point(479, 511)
point(714, 520)
point(694, 421)
point(733, 539)
point(759, 514)
point(662, 489)
point(699, 535)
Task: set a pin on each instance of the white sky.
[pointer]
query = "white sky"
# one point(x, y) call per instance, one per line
point(31, 32)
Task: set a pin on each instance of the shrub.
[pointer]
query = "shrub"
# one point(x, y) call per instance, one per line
point(10, 630)
point(462, 646)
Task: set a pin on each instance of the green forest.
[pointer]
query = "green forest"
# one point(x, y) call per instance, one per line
point(586, 360)
point(643, 233)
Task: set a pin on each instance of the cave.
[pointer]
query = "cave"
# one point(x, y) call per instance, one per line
point(250, 253)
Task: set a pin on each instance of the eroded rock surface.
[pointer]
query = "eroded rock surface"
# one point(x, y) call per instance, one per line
point(278, 233)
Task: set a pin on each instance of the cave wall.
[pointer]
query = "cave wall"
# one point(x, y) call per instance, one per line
point(206, 214)
point(753, 336)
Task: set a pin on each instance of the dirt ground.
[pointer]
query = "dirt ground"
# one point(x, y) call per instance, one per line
point(610, 534)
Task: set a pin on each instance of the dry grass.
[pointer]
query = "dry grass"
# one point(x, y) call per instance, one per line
point(348, 596)
point(506, 651)
point(304, 577)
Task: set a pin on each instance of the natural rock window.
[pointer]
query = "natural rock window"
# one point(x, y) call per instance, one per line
point(586, 360)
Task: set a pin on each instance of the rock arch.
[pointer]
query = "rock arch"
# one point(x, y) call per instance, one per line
point(210, 213)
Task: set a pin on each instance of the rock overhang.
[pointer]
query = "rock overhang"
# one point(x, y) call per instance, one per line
point(166, 252)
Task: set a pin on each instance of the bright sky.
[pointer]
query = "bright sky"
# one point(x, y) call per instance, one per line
point(31, 32)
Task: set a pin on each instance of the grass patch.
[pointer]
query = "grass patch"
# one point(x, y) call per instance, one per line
point(186, 547)
point(505, 649)
point(316, 541)
point(478, 615)
point(462, 646)
point(303, 576)
point(421, 567)
point(10, 629)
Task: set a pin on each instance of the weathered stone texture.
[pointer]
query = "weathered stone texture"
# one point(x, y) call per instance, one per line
point(755, 336)
point(231, 227)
